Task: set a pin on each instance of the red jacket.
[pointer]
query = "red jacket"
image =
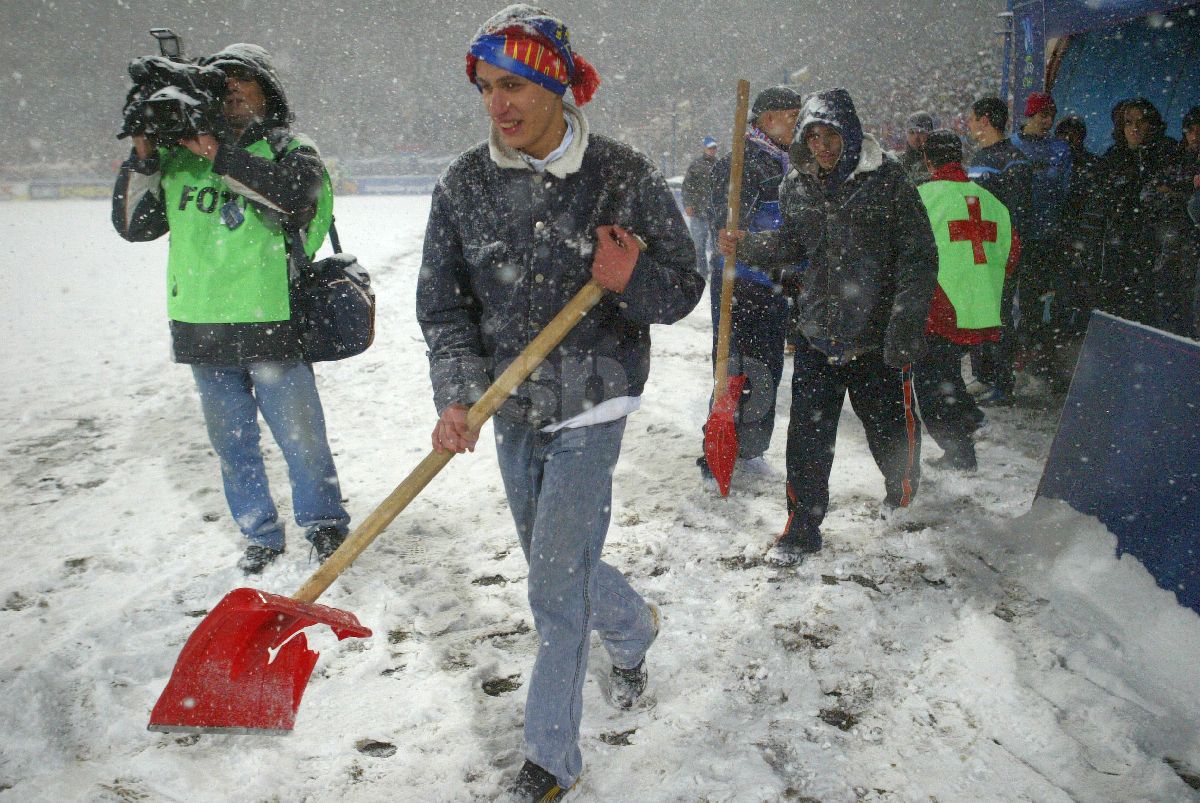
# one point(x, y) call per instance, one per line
point(942, 320)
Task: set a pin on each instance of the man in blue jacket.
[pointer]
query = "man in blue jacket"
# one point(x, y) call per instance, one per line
point(516, 227)
point(1044, 320)
point(861, 307)
point(760, 309)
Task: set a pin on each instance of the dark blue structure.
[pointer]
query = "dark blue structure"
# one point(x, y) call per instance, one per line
point(1107, 50)
point(1127, 450)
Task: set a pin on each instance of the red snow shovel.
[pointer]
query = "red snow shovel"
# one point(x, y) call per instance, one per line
point(245, 667)
point(720, 433)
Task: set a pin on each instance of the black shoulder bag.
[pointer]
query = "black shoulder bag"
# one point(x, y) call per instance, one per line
point(333, 303)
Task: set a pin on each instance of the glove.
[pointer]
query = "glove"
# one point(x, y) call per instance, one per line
point(901, 351)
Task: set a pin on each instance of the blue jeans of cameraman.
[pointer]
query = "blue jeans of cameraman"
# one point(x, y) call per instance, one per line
point(286, 394)
point(559, 488)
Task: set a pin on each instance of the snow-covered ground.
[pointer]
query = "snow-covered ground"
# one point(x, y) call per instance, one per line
point(972, 649)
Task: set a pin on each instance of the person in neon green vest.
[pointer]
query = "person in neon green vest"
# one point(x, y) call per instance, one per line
point(977, 249)
point(226, 202)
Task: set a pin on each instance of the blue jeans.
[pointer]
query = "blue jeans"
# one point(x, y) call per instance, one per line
point(559, 488)
point(286, 393)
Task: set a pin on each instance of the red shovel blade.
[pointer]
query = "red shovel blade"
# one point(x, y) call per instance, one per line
point(245, 667)
point(720, 434)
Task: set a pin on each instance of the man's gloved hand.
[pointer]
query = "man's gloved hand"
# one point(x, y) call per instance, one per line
point(616, 255)
point(901, 351)
point(131, 113)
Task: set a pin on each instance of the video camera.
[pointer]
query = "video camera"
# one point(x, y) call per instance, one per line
point(172, 98)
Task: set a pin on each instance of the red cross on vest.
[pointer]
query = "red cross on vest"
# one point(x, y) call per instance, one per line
point(975, 229)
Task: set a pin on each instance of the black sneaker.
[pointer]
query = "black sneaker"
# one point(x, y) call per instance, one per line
point(793, 545)
point(955, 461)
point(536, 785)
point(325, 541)
point(626, 685)
point(256, 558)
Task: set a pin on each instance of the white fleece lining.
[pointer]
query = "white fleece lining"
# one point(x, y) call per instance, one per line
point(561, 167)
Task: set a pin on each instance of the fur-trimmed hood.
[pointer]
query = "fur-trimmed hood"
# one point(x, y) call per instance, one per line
point(834, 108)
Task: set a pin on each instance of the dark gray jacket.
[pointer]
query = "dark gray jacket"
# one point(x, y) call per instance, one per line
point(872, 258)
point(506, 248)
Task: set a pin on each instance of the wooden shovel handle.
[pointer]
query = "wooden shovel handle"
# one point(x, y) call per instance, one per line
point(435, 461)
point(725, 322)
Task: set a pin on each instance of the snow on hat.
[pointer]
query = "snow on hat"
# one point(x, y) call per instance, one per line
point(942, 147)
point(775, 98)
point(1038, 102)
point(528, 42)
point(709, 142)
point(919, 121)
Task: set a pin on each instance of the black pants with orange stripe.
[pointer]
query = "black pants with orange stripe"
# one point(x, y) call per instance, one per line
point(881, 398)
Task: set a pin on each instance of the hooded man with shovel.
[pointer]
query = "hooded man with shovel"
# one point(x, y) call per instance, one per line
point(861, 307)
point(516, 227)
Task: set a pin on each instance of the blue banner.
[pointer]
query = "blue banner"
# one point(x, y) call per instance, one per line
point(1127, 450)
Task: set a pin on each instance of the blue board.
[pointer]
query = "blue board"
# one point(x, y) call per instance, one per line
point(1127, 450)
point(1156, 58)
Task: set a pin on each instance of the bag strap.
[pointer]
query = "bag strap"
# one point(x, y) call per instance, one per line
point(279, 139)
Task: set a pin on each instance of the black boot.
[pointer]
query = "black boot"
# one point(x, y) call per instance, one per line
point(536, 785)
point(325, 541)
point(256, 558)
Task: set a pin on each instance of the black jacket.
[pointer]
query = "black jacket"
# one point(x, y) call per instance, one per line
point(286, 188)
point(1002, 170)
point(872, 258)
point(697, 182)
point(507, 248)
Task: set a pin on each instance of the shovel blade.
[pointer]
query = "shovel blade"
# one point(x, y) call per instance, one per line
point(720, 434)
point(245, 667)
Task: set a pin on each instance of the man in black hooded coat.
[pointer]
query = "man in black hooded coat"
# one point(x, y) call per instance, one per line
point(861, 307)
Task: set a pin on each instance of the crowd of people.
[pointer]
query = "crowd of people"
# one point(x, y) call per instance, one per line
point(880, 268)
point(1058, 232)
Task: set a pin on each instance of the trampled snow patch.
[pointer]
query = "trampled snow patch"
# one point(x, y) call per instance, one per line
point(971, 648)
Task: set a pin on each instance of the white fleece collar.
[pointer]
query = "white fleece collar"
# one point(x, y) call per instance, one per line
point(566, 164)
point(870, 157)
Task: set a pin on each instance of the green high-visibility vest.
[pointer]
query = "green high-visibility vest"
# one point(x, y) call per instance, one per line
point(216, 274)
point(974, 237)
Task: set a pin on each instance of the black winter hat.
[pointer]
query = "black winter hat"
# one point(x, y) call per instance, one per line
point(942, 147)
point(775, 98)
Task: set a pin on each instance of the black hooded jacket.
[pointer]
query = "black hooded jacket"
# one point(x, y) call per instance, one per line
point(872, 258)
point(287, 188)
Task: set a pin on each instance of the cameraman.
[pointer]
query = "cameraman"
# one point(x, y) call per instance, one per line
point(226, 201)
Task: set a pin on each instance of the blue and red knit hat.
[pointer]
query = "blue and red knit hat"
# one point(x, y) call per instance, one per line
point(528, 42)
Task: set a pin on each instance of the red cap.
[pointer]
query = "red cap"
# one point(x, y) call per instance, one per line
point(1038, 102)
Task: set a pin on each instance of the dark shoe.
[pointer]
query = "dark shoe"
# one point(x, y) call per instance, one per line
point(626, 685)
point(256, 558)
point(951, 461)
point(536, 785)
point(785, 552)
point(325, 541)
point(792, 545)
